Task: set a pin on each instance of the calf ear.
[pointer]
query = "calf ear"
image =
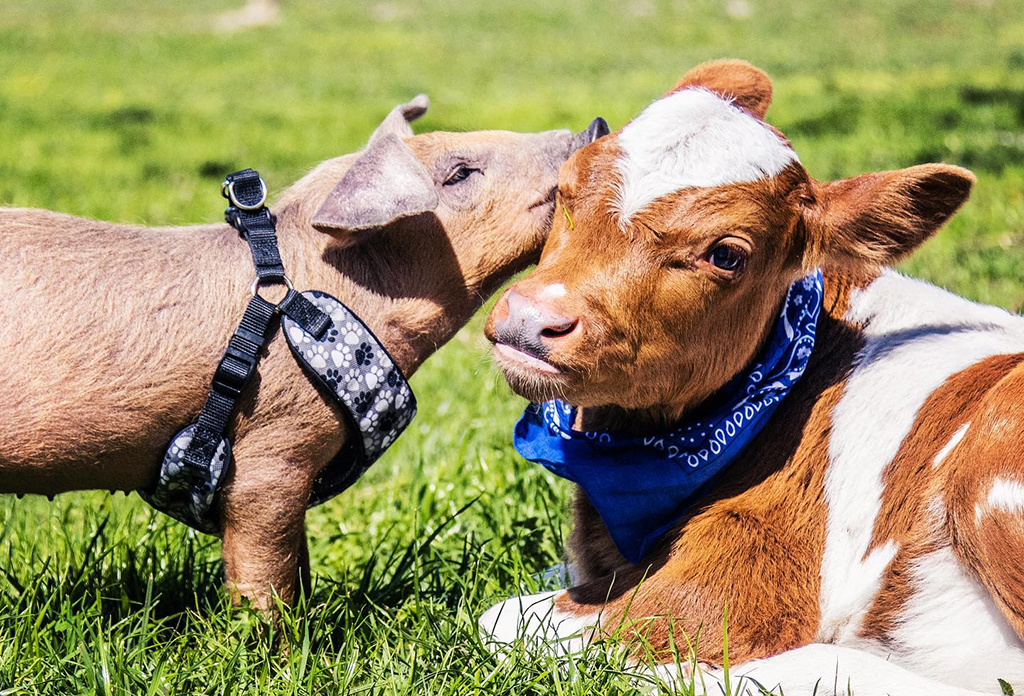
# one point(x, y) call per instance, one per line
point(386, 183)
point(738, 80)
point(398, 121)
point(877, 219)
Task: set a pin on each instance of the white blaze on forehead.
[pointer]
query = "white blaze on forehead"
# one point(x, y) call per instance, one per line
point(690, 139)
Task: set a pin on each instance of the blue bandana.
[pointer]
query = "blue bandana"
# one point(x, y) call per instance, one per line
point(640, 486)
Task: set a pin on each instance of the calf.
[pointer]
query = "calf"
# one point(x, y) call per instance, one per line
point(112, 332)
point(870, 536)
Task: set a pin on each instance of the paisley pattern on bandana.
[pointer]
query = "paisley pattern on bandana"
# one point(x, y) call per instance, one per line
point(641, 485)
point(355, 368)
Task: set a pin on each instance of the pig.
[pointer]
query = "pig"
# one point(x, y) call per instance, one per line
point(114, 330)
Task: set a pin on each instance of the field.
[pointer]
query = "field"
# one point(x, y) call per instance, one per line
point(133, 110)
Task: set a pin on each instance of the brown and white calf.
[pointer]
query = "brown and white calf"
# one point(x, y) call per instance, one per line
point(872, 535)
point(112, 332)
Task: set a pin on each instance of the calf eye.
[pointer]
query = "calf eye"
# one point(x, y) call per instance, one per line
point(727, 257)
point(461, 173)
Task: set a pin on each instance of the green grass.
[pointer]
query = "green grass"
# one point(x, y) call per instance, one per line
point(131, 110)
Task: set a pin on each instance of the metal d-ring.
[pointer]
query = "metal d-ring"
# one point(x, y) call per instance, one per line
point(228, 190)
point(254, 286)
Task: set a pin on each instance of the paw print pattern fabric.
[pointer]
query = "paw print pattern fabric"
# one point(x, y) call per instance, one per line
point(355, 369)
point(185, 494)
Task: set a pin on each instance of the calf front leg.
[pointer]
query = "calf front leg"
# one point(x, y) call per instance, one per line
point(827, 670)
point(811, 670)
point(729, 559)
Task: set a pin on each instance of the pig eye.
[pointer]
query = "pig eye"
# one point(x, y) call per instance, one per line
point(728, 258)
point(461, 173)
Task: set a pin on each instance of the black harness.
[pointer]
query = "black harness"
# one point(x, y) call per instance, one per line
point(335, 348)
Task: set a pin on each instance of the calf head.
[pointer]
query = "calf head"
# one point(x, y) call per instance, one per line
point(675, 241)
point(468, 209)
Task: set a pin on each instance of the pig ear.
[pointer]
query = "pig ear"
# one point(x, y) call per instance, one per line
point(386, 183)
point(738, 80)
point(877, 219)
point(398, 120)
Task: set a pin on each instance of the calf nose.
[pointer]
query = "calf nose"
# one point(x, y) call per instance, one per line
point(531, 326)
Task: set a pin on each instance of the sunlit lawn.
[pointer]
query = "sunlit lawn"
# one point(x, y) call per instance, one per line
point(134, 110)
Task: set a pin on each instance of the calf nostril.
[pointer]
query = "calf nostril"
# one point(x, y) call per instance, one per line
point(558, 330)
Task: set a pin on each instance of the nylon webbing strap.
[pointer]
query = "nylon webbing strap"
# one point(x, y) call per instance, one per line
point(234, 372)
point(247, 193)
point(198, 456)
point(305, 314)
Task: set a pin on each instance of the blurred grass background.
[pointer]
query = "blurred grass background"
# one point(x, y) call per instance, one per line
point(133, 110)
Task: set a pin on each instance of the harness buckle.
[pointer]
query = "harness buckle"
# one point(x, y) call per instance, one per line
point(233, 372)
point(227, 189)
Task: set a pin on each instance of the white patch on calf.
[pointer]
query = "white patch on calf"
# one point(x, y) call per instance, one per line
point(535, 620)
point(690, 139)
point(953, 442)
point(1006, 495)
point(950, 629)
point(826, 670)
point(916, 336)
point(552, 291)
point(559, 576)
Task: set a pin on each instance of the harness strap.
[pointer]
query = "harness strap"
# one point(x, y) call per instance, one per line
point(296, 307)
point(371, 389)
point(233, 374)
point(247, 193)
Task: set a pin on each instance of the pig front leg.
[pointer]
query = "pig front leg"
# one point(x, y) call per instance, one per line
point(285, 435)
point(263, 515)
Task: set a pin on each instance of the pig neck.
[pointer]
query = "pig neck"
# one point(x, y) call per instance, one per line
point(414, 300)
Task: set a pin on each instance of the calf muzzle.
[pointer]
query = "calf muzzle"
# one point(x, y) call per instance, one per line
point(531, 326)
